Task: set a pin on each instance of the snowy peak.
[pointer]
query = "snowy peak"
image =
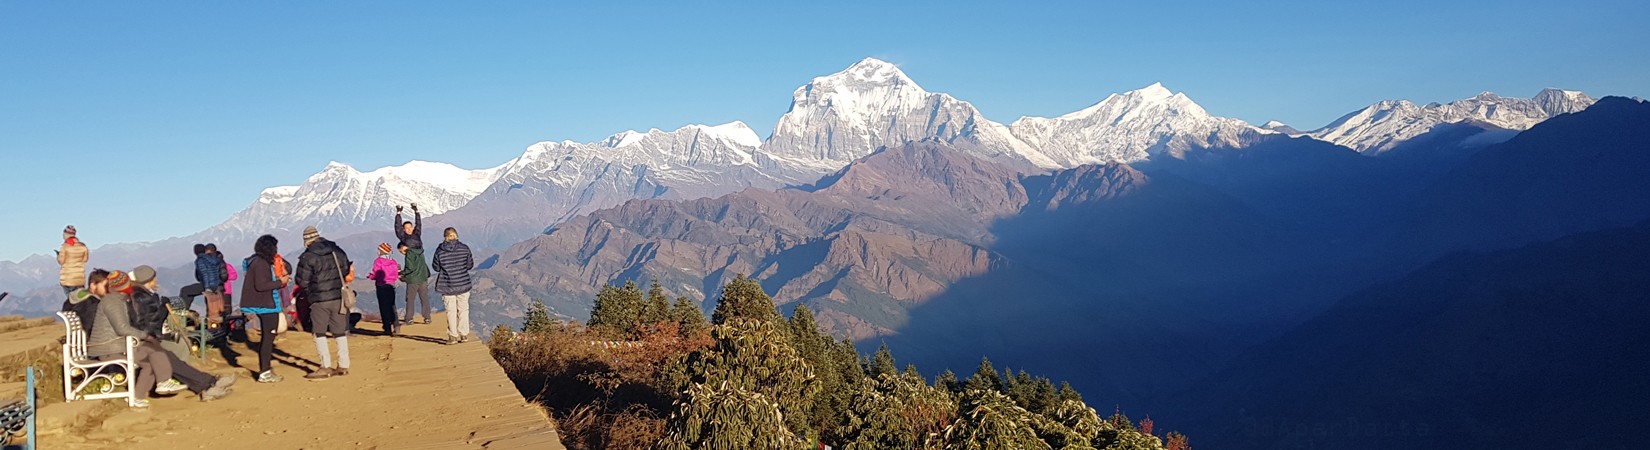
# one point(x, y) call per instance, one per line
point(340, 198)
point(871, 71)
point(1383, 125)
point(735, 132)
point(1129, 127)
point(1559, 101)
point(1155, 92)
point(847, 115)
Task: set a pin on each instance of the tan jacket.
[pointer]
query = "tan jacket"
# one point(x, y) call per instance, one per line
point(73, 259)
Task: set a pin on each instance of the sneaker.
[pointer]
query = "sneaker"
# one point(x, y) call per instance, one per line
point(270, 377)
point(216, 392)
point(451, 340)
point(464, 338)
point(225, 381)
point(319, 374)
point(141, 403)
point(341, 371)
point(426, 321)
point(170, 387)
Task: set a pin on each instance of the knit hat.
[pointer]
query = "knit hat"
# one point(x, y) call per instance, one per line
point(68, 231)
point(142, 275)
point(310, 235)
point(384, 248)
point(118, 281)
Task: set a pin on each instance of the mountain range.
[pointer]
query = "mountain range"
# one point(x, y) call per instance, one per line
point(1150, 252)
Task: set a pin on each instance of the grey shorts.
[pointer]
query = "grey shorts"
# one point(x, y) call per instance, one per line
point(325, 317)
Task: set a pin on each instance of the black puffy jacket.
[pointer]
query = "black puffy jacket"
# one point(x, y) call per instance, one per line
point(148, 311)
point(453, 263)
point(319, 270)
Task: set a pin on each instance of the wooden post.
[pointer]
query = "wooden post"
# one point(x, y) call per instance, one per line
point(33, 411)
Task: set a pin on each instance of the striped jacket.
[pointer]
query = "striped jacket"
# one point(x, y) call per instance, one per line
point(453, 263)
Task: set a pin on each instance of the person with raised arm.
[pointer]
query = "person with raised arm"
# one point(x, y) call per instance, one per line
point(415, 271)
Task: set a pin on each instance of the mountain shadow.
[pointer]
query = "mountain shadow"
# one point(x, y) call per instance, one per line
point(1539, 347)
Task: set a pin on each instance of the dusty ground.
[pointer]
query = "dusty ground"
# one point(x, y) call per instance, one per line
point(408, 391)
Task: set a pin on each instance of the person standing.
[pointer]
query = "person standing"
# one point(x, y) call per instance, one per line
point(229, 277)
point(210, 271)
point(453, 263)
point(72, 256)
point(283, 269)
point(416, 274)
point(384, 273)
point(322, 273)
point(258, 298)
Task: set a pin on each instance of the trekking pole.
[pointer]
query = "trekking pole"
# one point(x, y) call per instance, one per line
point(3, 296)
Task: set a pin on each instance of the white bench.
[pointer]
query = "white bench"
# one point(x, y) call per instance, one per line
point(80, 371)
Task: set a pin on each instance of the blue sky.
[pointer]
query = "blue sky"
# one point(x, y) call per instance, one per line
point(143, 120)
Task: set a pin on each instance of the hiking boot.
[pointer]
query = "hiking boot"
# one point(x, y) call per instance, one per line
point(224, 381)
point(318, 374)
point(341, 371)
point(216, 392)
point(170, 387)
point(270, 377)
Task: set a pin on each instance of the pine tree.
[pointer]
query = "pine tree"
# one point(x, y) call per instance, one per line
point(538, 319)
point(687, 313)
point(985, 378)
point(829, 408)
point(617, 308)
point(657, 308)
point(947, 381)
point(1067, 393)
point(882, 363)
point(743, 297)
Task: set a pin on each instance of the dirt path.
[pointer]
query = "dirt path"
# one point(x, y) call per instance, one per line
point(402, 392)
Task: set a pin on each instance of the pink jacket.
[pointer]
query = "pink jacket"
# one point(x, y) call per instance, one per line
point(385, 271)
point(231, 279)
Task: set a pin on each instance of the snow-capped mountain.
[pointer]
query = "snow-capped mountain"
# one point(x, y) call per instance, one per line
point(341, 199)
point(1281, 128)
point(844, 116)
point(1131, 126)
point(833, 120)
point(554, 181)
point(1384, 125)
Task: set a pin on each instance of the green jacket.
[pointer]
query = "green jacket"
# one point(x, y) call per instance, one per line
point(415, 270)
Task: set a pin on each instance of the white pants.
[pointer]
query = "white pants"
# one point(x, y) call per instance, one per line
point(458, 314)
